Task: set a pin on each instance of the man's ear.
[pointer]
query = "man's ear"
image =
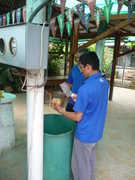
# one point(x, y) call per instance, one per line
point(88, 67)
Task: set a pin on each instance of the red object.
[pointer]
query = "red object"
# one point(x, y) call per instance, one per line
point(4, 20)
point(24, 13)
point(63, 4)
point(120, 4)
point(91, 4)
point(53, 27)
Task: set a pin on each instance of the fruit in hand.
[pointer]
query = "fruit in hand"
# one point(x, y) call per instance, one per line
point(56, 101)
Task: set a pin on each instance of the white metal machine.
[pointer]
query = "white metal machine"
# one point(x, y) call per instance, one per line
point(20, 46)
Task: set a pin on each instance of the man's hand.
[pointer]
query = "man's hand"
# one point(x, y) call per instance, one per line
point(56, 101)
point(58, 108)
point(74, 96)
point(56, 105)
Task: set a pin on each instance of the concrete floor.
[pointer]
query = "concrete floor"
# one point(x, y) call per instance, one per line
point(115, 153)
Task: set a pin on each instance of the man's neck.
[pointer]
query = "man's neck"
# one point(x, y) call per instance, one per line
point(93, 72)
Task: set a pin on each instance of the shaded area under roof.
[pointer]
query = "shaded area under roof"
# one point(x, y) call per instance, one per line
point(127, 30)
point(13, 4)
point(99, 4)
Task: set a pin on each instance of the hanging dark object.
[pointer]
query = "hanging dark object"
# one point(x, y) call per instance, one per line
point(76, 25)
point(85, 19)
point(53, 26)
point(131, 8)
point(92, 5)
point(68, 27)
point(0, 20)
point(107, 11)
point(4, 20)
point(50, 6)
point(24, 13)
point(102, 27)
point(63, 4)
point(80, 9)
point(18, 15)
point(69, 16)
point(61, 23)
point(13, 16)
point(97, 18)
point(8, 18)
point(120, 4)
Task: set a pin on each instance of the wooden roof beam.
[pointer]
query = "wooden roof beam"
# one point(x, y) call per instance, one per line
point(125, 30)
point(115, 17)
point(122, 29)
point(108, 32)
point(132, 25)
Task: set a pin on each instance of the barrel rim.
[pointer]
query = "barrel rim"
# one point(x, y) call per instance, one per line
point(61, 134)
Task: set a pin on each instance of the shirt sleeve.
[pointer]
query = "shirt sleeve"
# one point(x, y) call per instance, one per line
point(70, 77)
point(82, 101)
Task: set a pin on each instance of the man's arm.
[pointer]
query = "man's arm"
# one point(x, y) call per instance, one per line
point(75, 116)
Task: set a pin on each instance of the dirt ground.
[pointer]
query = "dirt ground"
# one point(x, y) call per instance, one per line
point(115, 153)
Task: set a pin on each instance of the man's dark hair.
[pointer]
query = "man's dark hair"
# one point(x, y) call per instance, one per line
point(90, 58)
point(83, 50)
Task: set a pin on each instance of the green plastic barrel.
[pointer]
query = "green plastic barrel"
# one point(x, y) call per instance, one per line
point(58, 141)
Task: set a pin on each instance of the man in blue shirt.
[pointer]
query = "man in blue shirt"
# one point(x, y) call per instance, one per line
point(75, 79)
point(90, 113)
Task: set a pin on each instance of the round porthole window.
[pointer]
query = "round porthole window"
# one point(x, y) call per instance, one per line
point(2, 46)
point(12, 46)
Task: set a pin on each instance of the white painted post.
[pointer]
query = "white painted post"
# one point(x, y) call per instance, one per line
point(35, 111)
point(35, 102)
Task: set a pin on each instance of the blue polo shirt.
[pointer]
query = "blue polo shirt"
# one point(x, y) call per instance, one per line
point(92, 101)
point(77, 79)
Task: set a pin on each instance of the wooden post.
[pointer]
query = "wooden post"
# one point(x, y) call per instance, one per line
point(71, 58)
point(66, 57)
point(73, 46)
point(115, 58)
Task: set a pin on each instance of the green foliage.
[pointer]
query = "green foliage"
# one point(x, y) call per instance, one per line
point(107, 63)
point(11, 83)
point(131, 45)
point(8, 81)
point(92, 47)
point(55, 57)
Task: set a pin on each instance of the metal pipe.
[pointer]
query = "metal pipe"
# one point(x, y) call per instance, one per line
point(34, 13)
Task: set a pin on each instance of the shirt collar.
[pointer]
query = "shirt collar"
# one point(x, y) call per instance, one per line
point(94, 76)
point(79, 67)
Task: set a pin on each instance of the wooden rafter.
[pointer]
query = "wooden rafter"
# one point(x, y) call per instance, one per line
point(116, 17)
point(122, 29)
point(127, 31)
point(132, 25)
point(108, 32)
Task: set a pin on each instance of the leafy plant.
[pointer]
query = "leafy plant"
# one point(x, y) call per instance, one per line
point(107, 63)
point(8, 81)
point(55, 57)
point(92, 47)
